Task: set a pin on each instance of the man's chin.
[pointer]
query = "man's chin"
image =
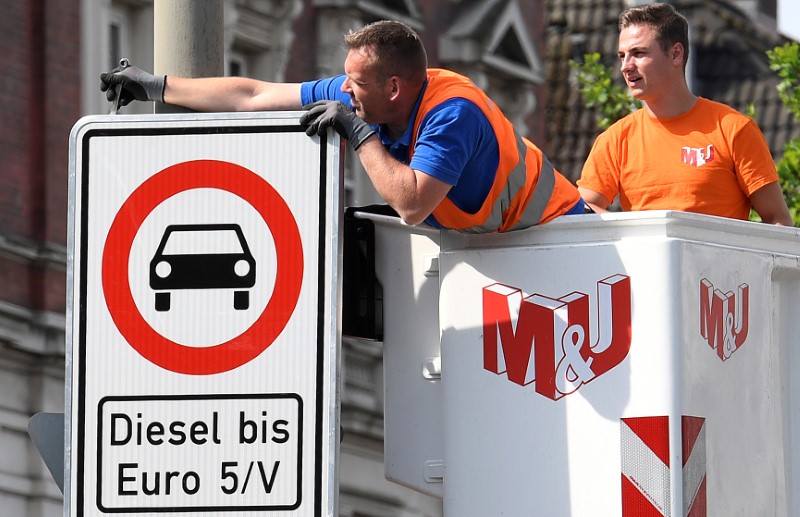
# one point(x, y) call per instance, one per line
point(636, 88)
point(636, 93)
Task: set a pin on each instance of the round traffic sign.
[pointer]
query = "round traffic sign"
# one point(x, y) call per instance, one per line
point(241, 349)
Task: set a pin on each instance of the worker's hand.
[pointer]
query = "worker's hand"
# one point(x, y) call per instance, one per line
point(324, 114)
point(136, 85)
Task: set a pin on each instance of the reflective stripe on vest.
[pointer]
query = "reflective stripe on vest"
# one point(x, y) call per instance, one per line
point(521, 189)
point(512, 199)
point(542, 192)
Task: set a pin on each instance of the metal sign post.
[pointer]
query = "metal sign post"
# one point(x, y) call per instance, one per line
point(202, 329)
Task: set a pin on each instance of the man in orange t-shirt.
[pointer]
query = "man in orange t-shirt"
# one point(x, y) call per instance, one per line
point(679, 152)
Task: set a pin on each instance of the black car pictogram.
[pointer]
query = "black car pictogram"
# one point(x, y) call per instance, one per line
point(202, 256)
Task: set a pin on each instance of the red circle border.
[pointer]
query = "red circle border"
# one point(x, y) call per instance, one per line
point(289, 267)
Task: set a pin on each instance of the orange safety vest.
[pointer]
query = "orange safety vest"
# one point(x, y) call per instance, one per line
point(527, 190)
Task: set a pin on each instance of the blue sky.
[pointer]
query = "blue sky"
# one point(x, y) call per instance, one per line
point(789, 18)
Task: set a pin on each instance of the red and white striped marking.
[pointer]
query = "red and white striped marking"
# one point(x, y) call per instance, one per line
point(693, 431)
point(646, 489)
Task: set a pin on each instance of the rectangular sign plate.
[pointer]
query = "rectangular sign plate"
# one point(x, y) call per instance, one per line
point(202, 335)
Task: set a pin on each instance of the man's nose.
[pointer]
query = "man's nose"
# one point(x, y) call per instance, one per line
point(625, 63)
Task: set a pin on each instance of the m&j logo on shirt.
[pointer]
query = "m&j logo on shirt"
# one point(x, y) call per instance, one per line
point(697, 156)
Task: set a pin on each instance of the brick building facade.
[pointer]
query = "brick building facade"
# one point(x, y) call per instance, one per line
point(39, 101)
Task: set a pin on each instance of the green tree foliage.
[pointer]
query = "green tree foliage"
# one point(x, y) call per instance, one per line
point(785, 61)
point(599, 91)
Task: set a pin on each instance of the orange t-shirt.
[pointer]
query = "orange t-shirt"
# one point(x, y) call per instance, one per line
point(708, 160)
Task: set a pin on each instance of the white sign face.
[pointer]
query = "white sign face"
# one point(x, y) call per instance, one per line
point(202, 317)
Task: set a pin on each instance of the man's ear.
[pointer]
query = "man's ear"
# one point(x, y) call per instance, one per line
point(677, 52)
point(395, 87)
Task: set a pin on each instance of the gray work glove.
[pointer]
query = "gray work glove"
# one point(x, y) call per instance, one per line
point(324, 114)
point(136, 85)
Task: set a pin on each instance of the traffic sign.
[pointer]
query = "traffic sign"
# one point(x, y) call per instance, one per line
point(116, 256)
point(202, 326)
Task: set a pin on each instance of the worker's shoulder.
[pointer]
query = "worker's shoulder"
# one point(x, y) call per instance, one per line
point(719, 109)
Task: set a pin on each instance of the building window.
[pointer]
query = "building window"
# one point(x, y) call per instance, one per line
point(235, 64)
point(118, 38)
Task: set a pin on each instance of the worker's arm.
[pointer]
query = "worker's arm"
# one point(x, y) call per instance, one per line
point(770, 205)
point(200, 94)
point(413, 194)
point(595, 200)
point(231, 94)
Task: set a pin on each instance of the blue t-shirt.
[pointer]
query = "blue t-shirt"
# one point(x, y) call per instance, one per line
point(456, 144)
